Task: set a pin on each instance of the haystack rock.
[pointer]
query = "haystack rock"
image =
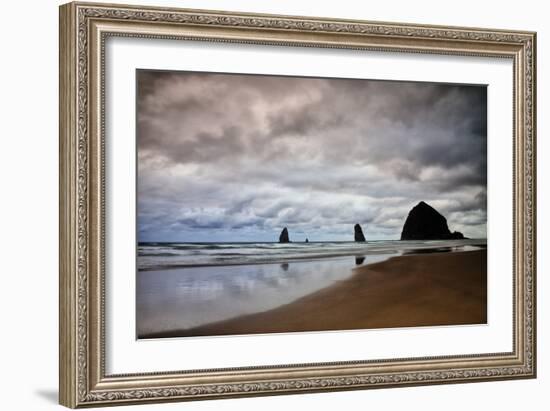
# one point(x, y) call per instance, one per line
point(358, 233)
point(456, 235)
point(283, 238)
point(425, 223)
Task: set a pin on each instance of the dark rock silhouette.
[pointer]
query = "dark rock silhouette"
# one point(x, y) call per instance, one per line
point(358, 233)
point(307, 240)
point(425, 223)
point(283, 238)
point(456, 235)
point(359, 260)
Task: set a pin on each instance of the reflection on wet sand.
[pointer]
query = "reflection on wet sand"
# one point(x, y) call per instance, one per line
point(428, 250)
point(190, 297)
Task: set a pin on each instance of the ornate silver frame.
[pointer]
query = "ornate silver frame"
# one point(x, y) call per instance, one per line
point(83, 30)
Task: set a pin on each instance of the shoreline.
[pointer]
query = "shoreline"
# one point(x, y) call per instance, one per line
point(356, 250)
point(293, 260)
point(430, 289)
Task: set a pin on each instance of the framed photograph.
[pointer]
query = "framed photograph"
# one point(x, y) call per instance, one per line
point(260, 204)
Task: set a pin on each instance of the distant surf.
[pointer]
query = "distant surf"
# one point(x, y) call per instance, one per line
point(160, 256)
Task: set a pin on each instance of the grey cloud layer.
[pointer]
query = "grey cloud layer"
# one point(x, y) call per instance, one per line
point(237, 157)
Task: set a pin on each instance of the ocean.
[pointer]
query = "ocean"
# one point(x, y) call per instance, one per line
point(184, 285)
point(160, 256)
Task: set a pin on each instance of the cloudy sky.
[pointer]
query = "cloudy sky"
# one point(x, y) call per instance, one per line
point(224, 157)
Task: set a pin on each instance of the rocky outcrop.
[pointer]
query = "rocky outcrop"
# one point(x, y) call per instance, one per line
point(425, 223)
point(456, 235)
point(283, 238)
point(358, 233)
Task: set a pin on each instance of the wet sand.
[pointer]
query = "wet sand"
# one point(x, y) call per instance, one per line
point(405, 291)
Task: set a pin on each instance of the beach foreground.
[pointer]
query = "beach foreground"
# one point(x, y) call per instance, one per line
point(446, 288)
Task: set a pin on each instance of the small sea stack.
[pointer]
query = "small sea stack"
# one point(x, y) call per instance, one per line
point(358, 234)
point(283, 238)
point(307, 240)
point(425, 223)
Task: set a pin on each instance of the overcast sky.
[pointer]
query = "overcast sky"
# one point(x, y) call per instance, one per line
point(226, 157)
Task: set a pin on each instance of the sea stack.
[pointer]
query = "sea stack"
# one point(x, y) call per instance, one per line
point(425, 223)
point(358, 233)
point(283, 238)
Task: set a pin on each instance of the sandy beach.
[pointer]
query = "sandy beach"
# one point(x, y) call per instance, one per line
point(447, 288)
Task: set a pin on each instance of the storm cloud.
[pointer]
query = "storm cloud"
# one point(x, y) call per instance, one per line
point(227, 157)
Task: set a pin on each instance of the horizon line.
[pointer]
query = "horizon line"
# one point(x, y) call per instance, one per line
point(298, 242)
